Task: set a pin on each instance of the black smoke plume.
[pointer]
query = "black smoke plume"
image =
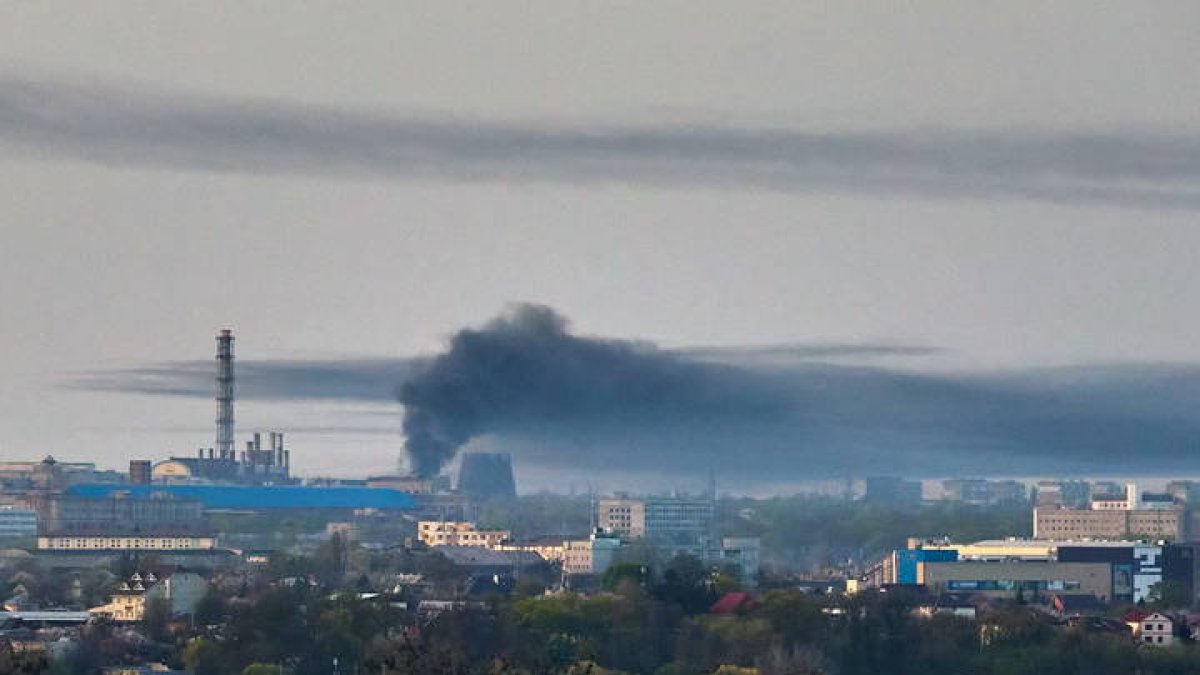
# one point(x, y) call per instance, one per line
point(524, 371)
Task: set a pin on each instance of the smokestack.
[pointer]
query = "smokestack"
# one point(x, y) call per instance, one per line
point(225, 394)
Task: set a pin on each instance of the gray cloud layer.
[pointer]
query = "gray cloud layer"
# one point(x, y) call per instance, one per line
point(579, 402)
point(117, 126)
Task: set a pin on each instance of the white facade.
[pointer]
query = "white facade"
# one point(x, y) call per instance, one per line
point(1157, 630)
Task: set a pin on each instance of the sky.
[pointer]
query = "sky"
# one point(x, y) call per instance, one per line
point(1010, 190)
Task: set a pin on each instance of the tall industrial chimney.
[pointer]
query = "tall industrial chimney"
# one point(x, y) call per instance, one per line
point(225, 395)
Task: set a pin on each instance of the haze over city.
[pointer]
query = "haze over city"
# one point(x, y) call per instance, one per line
point(959, 239)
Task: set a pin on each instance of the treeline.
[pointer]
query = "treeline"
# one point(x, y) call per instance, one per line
point(809, 533)
point(657, 623)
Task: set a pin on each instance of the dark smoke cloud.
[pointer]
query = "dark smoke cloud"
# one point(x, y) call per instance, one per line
point(525, 383)
point(361, 379)
point(524, 371)
point(131, 127)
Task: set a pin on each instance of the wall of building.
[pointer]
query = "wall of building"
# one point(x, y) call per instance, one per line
point(1034, 578)
point(1055, 523)
point(449, 533)
point(124, 543)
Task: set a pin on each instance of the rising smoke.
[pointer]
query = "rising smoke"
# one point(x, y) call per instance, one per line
point(525, 371)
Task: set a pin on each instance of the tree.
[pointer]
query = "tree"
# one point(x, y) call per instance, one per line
point(155, 617)
point(1168, 594)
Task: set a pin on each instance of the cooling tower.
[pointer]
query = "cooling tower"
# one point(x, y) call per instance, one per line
point(486, 475)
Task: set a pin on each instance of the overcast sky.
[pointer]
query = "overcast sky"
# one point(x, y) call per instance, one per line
point(1016, 185)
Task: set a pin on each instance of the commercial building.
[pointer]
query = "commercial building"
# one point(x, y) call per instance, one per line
point(1134, 566)
point(17, 522)
point(593, 555)
point(1181, 565)
point(906, 566)
point(677, 523)
point(892, 491)
point(444, 533)
point(981, 492)
point(1071, 494)
point(1125, 515)
point(1025, 578)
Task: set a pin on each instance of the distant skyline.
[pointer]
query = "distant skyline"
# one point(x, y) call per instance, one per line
point(1005, 191)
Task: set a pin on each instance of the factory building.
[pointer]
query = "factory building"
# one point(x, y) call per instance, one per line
point(259, 463)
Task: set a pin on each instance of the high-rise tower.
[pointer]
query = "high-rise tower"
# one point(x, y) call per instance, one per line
point(225, 395)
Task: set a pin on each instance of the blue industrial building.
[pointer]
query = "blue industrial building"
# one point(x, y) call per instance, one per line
point(908, 562)
point(252, 498)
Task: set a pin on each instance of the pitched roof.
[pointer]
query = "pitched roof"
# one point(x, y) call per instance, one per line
point(731, 603)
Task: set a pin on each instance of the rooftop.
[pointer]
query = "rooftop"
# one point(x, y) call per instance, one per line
point(260, 497)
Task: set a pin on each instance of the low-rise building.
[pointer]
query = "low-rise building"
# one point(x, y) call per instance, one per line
point(1030, 579)
point(180, 590)
point(1156, 629)
point(457, 533)
point(593, 555)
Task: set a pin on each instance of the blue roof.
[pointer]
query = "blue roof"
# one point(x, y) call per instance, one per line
point(261, 497)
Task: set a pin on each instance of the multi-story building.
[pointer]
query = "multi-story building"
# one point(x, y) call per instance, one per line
point(677, 523)
point(17, 522)
point(593, 555)
point(1154, 524)
point(71, 514)
point(1122, 515)
point(449, 533)
point(1071, 494)
point(746, 554)
point(180, 590)
point(892, 491)
point(1156, 629)
point(119, 522)
point(984, 492)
